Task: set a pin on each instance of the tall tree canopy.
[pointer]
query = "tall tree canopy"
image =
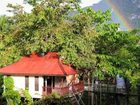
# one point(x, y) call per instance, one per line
point(86, 39)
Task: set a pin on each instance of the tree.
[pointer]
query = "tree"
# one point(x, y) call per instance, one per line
point(50, 28)
point(12, 96)
point(118, 52)
point(1, 85)
point(88, 40)
point(2, 99)
point(27, 98)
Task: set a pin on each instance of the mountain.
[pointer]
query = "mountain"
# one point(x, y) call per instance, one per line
point(129, 8)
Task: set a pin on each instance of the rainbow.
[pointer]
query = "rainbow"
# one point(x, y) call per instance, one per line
point(119, 14)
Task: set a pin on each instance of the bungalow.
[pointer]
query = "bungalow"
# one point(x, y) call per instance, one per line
point(43, 75)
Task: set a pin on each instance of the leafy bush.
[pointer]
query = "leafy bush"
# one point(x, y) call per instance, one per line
point(27, 98)
point(53, 99)
point(12, 96)
point(2, 99)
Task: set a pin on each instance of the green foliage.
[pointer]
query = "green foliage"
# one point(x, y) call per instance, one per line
point(1, 84)
point(50, 28)
point(88, 40)
point(12, 96)
point(4, 25)
point(53, 99)
point(2, 99)
point(16, 9)
point(118, 53)
point(27, 98)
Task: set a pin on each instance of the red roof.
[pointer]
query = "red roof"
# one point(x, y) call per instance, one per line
point(39, 65)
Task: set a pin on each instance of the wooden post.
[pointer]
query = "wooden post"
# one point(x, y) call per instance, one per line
point(62, 82)
point(127, 98)
point(117, 100)
point(89, 93)
point(127, 90)
point(138, 89)
point(92, 96)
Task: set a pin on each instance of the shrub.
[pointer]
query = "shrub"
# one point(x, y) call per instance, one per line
point(53, 99)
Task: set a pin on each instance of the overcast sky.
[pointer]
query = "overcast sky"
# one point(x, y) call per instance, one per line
point(3, 4)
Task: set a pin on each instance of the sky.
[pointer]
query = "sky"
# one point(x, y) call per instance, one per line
point(3, 4)
point(86, 3)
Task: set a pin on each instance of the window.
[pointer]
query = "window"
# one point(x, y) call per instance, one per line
point(26, 82)
point(36, 83)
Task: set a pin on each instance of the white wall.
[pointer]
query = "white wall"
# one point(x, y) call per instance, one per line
point(33, 93)
point(19, 82)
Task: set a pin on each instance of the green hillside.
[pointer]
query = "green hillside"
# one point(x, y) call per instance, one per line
point(130, 9)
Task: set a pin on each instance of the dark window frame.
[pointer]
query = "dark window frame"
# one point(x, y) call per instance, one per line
point(26, 82)
point(36, 83)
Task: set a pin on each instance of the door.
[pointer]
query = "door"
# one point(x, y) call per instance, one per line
point(48, 84)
